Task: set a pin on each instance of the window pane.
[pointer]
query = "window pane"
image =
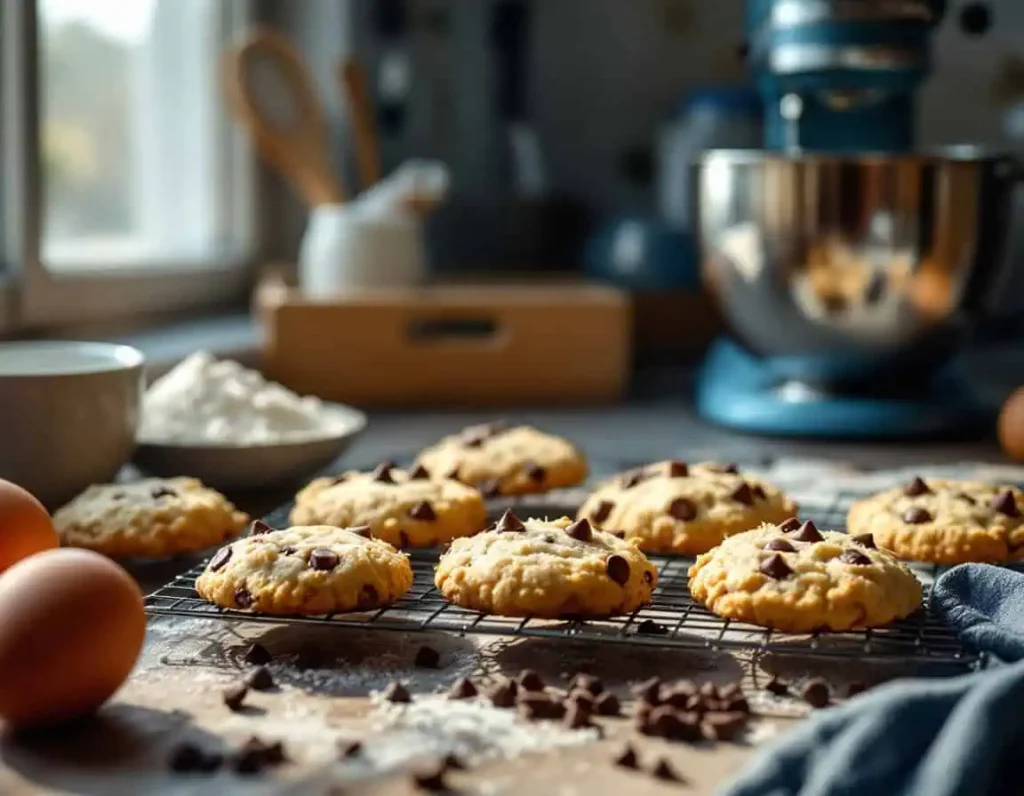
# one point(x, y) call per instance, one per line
point(129, 125)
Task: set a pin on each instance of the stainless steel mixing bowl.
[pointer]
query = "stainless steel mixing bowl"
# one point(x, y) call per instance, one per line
point(853, 261)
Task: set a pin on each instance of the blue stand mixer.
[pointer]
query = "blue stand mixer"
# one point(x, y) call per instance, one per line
point(848, 265)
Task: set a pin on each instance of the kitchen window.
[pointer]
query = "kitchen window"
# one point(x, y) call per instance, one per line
point(128, 190)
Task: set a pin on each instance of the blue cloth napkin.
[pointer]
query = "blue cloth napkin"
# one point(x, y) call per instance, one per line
point(959, 736)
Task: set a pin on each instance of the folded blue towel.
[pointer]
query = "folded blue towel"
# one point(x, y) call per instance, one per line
point(957, 736)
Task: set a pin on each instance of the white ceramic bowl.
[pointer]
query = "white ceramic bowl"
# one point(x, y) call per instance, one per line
point(69, 412)
point(240, 467)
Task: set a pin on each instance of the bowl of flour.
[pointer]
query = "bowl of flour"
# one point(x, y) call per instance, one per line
point(231, 428)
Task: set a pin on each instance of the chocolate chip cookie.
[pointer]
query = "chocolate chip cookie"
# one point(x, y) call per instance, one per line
point(944, 521)
point(546, 569)
point(795, 578)
point(316, 569)
point(404, 508)
point(502, 460)
point(675, 507)
point(151, 518)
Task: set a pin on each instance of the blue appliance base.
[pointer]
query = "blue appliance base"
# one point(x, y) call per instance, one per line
point(743, 392)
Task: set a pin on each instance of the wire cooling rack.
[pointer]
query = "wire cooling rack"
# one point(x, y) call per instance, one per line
point(672, 619)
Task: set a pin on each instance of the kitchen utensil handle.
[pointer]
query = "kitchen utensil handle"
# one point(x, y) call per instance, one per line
point(510, 23)
point(364, 131)
point(300, 150)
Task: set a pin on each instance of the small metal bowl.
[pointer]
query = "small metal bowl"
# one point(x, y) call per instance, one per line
point(238, 468)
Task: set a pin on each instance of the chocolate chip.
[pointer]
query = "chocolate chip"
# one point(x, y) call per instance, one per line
point(731, 469)
point(1005, 503)
point(649, 691)
point(776, 686)
point(255, 755)
point(529, 680)
point(775, 566)
point(463, 688)
point(419, 473)
point(260, 679)
point(350, 749)
point(368, 597)
point(790, 525)
point(188, 758)
point(678, 696)
point(431, 781)
point(423, 512)
point(618, 569)
point(709, 691)
point(258, 654)
point(816, 692)
point(916, 487)
point(966, 498)
point(491, 488)
point(663, 770)
point(362, 530)
point(427, 658)
point(235, 695)
point(474, 438)
point(453, 474)
point(781, 545)
point(536, 706)
point(630, 480)
point(737, 704)
point(580, 530)
point(220, 558)
point(662, 722)
point(503, 695)
point(602, 511)
point(509, 523)
point(650, 628)
point(627, 758)
point(682, 509)
point(582, 698)
point(742, 494)
point(382, 473)
point(259, 527)
point(808, 532)
point(323, 559)
point(916, 516)
point(243, 599)
point(397, 693)
point(288, 550)
point(723, 726)
point(852, 689)
point(339, 479)
point(588, 683)
point(758, 492)
point(854, 557)
point(534, 472)
point(577, 717)
point(678, 470)
point(865, 540)
point(162, 492)
point(607, 704)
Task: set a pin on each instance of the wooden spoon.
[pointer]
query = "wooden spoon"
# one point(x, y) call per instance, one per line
point(353, 81)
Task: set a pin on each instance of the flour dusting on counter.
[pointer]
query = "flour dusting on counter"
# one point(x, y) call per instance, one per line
point(204, 400)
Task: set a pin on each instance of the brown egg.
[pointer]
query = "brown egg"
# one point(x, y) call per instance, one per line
point(25, 526)
point(1011, 425)
point(71, 627)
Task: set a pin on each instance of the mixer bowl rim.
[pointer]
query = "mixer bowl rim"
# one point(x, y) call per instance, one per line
point(955, 153)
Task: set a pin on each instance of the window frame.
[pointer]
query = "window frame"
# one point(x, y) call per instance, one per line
point(34, 297)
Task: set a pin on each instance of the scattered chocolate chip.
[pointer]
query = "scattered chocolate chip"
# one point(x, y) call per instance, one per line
point(602, 511)
point(1005, 503)
point(419, 473)
point(663, 770)
point(678, 470)
point(627, 758)
point(235, 695)
point(243, 599)
point(162, 492)
point(780, 545)
point(256, 754)
point(865, 540)
point(641, 714)
point(535, 472)
point(577, 717)
point(697, 704)
point(789, 525)
point(618, 569)
point(382, 473)
point(397, 693)
point(529, 680)
point(323, 559)
point(427, 658)
point(362, 530)
point(854, 557)
point(503, 695)
point(259, 527)
point(649, 691)
point(737, 704)
point(775, 566)
point(808, 532)
point(258, 655)
point(916, 487)
point(663, 722)
point(463, 688)
point(581, 530)
point(490, 489)
point(682, 509)
point(723, 726)
point(776, 686)
point(431, 781)
point(916, 516)
point(452, 762)
point(742, 494)
point(350, 749)
point(260, 679)
point(816, 692)
point(188, 758)
point(220, 558)
point(453, 474)
point(509, 523)
point(678, 696)
point(536, 706)
point(758, 492)
point(649, 627)
point(423, 512)
point(966, 498)
point(852, 689)
point(607, 704)
point(587, 682)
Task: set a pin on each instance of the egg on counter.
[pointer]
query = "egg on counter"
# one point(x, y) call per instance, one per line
point(72, 625)
point(25, 526)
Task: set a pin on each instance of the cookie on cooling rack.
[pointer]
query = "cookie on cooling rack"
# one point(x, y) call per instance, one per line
point(317, 569)
point(944, 522)
point(674, 507)
point(405, 509)
point(150, 518)
point(502, 460)
point(547, 570)
point(795, 578)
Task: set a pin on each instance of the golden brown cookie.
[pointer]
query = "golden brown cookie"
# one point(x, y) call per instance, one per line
point(795, 578)
point(151, 518)
point(546, 569)
point(674, 507)
point(406, 509)
point(306, 570)
point(943, 521)
point(506, 461)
